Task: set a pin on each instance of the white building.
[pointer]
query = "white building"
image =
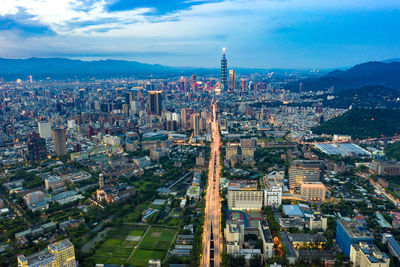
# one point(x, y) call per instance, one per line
point(234, 236)
point(239, 199)
point(368, 255)
point(273, 196)
point(44, 129)
point(111, 140)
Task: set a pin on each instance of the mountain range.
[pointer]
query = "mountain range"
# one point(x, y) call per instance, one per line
point(372, 73)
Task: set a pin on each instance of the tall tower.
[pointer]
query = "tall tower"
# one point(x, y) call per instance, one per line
point(101, 180)
point(196, 124)
point(155, 102)
point(224, 66)
point(60, 141)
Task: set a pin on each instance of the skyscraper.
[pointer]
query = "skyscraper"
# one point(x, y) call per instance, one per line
point(232, 81)
point(196, 124)
point(60, 141)
point(36, 147)
point(44, 129)
point(224, 65)
point(155, 102)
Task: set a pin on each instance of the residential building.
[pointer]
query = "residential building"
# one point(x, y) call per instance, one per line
point(266, 238)
point(273, 196)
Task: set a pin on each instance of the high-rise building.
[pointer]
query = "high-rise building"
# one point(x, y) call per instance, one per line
point(101, 180)
point(36, 147)
point(60, 141)
point(155, 102)
point(44, 129)
point(243, 84)
point(196, 124)
point(224, 66)
point(59, 254)
point(302, 171)
point(232, 80)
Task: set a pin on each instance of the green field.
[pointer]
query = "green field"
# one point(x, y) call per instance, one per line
point(119, 246)
point(154, 245)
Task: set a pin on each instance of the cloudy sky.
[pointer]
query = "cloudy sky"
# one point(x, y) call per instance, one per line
point(256, 33)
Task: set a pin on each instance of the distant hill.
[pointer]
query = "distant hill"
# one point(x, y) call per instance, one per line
point(366, 97)
point(365, 74)
point(363, 123)
point(68, 68)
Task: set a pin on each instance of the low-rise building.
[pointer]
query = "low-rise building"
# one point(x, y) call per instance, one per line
point(349, 232)
point(313, 191)
point(318, 221)
point(368, 255)
point(242, 197)
point(61, 253)
point(385, 167)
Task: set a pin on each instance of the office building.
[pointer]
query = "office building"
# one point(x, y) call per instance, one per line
point(313, 191)
point(60, 141)
point(232, 80)
point(36, 147)
point(44, 129)
point(224, 65)
point(385, 167)
point(349, 232)
point(302, 171)
point(59, 254)
point(101, 180)
point(243, 84)
point(367, 255)
point(244, 197)
point(155, 102)
point(196, 124)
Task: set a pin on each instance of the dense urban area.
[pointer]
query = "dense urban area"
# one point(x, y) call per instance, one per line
point(228, 169)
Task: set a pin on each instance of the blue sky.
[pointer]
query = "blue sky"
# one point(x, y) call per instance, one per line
point(256, 33)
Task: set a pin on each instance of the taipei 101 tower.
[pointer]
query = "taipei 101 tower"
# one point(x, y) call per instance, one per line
point(224, 65)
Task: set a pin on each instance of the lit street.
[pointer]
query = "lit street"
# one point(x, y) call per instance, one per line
point(212, 240)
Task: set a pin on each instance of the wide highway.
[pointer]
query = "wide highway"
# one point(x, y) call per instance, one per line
point(212, 239)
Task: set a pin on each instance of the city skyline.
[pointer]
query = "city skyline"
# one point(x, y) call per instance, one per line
point(257, 34)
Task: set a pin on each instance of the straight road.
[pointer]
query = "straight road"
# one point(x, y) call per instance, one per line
point(212, 239)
